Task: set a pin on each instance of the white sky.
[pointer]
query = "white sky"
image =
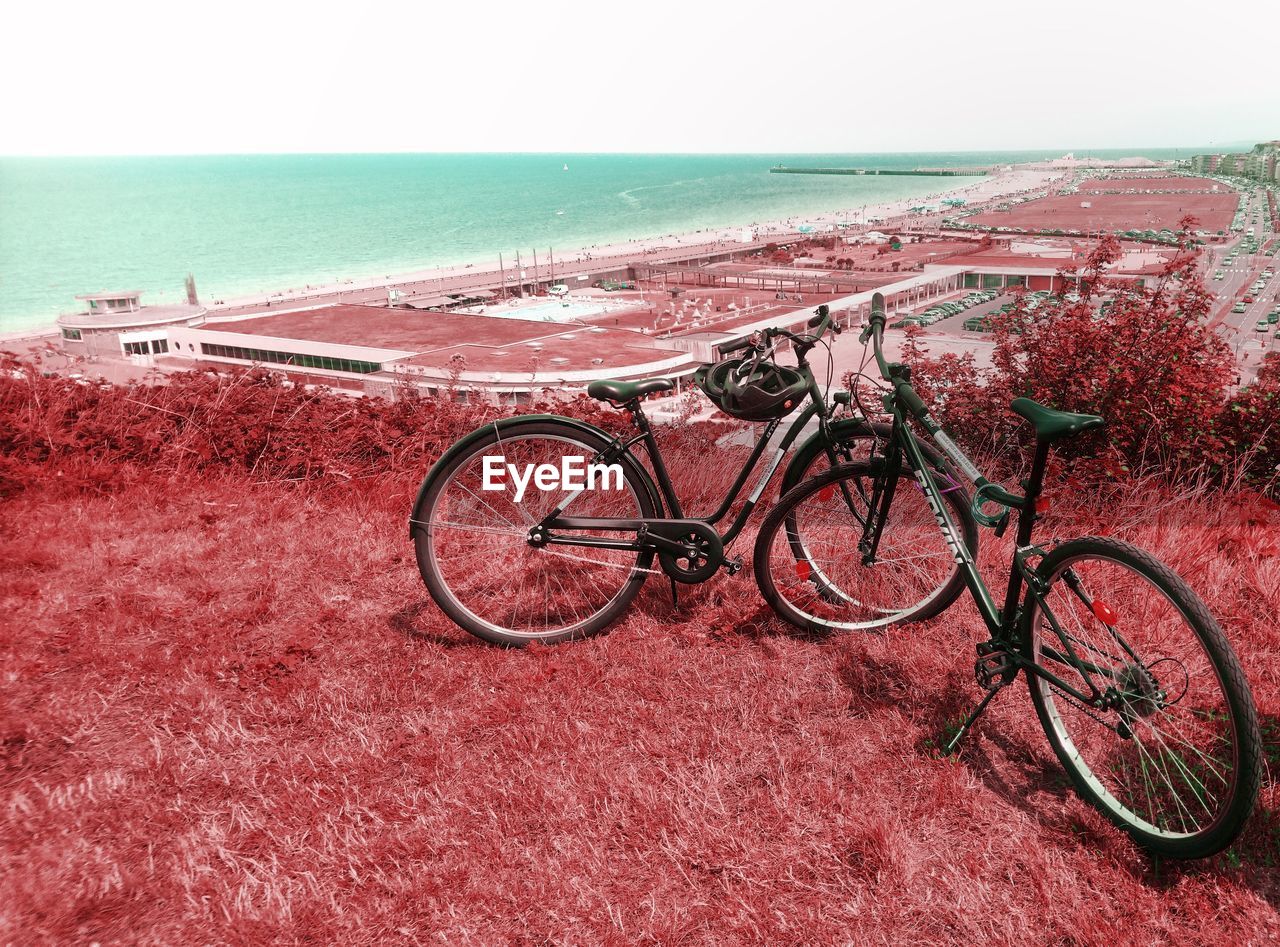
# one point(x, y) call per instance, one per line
point(568, 76)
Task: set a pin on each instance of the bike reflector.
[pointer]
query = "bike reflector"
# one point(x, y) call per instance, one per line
point(826, 493)
point(1105, 613)
point(1042, 504)
point(804, 570)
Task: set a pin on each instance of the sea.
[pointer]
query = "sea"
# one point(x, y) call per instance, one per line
point(244, 224)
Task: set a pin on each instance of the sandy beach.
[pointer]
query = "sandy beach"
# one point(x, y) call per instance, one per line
point(1001, 184)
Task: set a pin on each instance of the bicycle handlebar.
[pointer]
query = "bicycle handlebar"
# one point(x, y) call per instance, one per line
point(899, 376)
point(820, 320)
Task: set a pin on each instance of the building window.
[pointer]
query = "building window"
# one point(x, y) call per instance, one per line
point(294, 359)
point(1015, 281)
point(159, 346)
point(71, 335)
point(136, 348)
point(992, 281)
point(971, 281)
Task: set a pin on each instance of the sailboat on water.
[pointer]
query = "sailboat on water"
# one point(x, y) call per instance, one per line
point(566, 167)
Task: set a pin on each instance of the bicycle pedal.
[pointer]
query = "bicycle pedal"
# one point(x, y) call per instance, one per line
point(995, 667)
point(733, 566)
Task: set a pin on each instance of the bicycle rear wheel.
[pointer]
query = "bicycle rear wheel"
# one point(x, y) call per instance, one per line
point(476, 559)
point(810, 570)
point(1170, 753)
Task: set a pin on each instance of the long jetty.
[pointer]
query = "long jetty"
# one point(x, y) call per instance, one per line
point(914, 172)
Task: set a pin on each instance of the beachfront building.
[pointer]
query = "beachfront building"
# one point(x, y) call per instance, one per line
point(1036, 265)
point(375, 350)
point(118, 325)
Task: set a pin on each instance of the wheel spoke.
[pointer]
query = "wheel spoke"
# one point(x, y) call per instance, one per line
point(1157, 748)
point(809, 565)
point(481, 568)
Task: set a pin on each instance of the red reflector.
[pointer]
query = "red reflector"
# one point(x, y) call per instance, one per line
point(826, 493)
point(1042, 504)
point(804, 570)
point(1104, 613)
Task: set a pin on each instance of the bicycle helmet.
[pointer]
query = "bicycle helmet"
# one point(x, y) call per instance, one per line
point(711, 378)
point(760, 390)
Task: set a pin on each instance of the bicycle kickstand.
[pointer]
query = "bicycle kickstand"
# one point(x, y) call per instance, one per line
point(954, 743)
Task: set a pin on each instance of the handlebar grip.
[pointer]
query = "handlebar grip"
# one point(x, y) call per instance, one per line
point(736, 346)
point(821, 313)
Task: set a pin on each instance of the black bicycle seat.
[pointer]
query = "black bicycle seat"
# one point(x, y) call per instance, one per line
point(610, 389)
point(1050, 424)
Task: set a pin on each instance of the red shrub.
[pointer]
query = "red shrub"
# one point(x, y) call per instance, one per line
point(1150, 365)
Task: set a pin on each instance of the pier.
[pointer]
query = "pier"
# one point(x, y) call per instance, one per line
point(914, 172)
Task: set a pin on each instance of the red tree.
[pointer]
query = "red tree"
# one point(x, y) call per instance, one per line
point(1148, 364)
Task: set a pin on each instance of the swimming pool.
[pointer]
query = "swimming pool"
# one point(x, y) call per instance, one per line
point(558, 312)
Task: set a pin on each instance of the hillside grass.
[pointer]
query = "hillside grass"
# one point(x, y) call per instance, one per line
point(231, 713)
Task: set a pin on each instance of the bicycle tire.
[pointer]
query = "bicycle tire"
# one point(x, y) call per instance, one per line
point(809, 570)
point(1128, 642)
point(498, 600)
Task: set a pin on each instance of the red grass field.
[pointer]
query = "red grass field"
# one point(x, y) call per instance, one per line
point(231, 713)
point(1115, 212)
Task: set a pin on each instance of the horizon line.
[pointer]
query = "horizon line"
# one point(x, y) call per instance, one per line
point(257, 154)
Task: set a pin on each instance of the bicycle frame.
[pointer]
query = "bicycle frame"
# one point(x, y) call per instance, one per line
point(555, 520)
point(1003, 622)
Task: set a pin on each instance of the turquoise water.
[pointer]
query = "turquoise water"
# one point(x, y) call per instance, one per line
point(257, 223)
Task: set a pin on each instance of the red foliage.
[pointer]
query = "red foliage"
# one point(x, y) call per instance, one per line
point(250, 421)
point(1150, 365)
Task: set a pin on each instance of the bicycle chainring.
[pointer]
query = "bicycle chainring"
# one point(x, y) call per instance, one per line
point(701, 560)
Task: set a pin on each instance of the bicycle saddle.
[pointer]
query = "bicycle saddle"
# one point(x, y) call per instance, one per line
point(1050, 424)
point(610, 389)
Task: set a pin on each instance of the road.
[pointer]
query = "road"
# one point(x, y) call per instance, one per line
point(1239, 329)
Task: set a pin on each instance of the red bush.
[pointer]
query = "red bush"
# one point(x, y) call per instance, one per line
point(245, 420)
point(1149, 364)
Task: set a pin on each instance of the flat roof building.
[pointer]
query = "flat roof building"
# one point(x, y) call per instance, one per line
point(116, 324)
point(371, 349)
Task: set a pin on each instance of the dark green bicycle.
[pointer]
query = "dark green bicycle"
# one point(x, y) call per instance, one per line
point(1142, 698)
point(548, 563)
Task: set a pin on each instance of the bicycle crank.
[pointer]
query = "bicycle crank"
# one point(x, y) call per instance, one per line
point(699, 557)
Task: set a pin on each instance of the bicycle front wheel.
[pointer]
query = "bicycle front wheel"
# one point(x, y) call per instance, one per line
point(474, 550)
point(1168, 749)
point(811, 571)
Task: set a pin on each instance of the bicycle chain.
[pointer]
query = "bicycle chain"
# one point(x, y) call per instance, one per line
point(1089, 712)
point(597, 562)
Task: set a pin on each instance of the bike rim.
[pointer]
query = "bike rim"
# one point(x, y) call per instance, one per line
point(818, 571)
point(1174, 777)
point(477, 544)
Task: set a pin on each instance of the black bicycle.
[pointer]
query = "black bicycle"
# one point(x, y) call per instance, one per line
point(515, 561)
point(1142, 698)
